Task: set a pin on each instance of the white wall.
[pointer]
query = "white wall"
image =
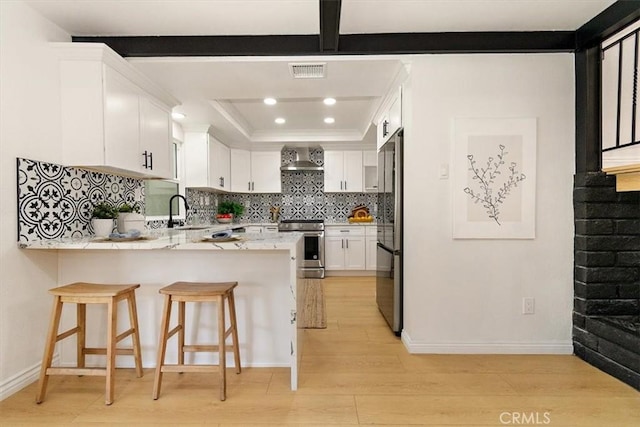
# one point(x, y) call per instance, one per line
point(29, 128)
point(465, 296)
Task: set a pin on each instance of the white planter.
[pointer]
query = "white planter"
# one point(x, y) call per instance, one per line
point(128, 221)
point(102, 227)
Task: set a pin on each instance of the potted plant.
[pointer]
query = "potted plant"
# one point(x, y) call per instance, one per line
point(129, 218)
point(228, 210)
point(102, 219)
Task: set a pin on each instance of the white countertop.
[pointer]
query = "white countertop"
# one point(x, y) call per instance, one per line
point(177, 240)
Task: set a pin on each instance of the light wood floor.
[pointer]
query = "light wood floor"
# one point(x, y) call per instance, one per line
point(354, 372)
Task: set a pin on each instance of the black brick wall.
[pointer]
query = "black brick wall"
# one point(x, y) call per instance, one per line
point(606, 313)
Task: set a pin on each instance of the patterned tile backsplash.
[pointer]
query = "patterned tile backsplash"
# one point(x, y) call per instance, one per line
point(56, 201)
point(302, 197)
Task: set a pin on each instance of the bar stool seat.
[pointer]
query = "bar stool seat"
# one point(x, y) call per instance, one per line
point(183, 292)
point(81, 294)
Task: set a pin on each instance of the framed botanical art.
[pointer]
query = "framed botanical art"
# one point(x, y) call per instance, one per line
point(494, 178)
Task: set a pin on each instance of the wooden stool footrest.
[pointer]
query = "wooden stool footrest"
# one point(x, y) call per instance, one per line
point(174, 331)
point(206, 348)
point(119, 351)
point(191, 368)
point(125, 334)
point(68, 333)
point(96, 372)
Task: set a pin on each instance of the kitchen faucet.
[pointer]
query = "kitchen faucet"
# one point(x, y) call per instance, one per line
point(186, 208)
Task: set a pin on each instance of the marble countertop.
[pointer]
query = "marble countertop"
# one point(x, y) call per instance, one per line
point(176, 239)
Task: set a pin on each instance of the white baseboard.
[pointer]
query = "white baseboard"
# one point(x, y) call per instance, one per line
point(22, 379)
point(349, 273)
point(486, 348)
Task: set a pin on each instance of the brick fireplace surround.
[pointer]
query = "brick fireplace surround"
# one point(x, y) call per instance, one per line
point(606, 314)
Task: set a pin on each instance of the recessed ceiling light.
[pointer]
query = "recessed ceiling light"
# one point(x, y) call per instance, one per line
point(280, 120)
point(329, 120)
point(270, 101)
point(329, 101)
point(177, 116)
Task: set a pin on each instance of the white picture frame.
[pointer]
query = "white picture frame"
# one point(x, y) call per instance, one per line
point(494, 178)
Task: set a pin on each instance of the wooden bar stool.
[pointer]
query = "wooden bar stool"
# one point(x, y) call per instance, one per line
point(90, 293)
point(183, 292)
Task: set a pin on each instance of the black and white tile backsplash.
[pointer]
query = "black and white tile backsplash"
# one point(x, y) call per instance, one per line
point(57, 201)
point(302, 197)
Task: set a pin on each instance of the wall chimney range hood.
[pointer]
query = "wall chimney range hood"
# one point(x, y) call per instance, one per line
point(302, 161)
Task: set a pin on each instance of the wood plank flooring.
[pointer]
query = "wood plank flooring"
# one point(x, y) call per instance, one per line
point(354, 372)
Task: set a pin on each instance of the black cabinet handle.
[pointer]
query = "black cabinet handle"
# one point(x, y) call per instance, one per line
point(151, 160)
point(384, 128)
point(146, 164)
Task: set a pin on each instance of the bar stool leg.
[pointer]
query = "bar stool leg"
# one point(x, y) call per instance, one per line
point(221, 348)
point(133, 320)
point(112, 318)
point(181, 331)
point(162, 345)
point(47, 358)
point(81, 320)
point(234, 332)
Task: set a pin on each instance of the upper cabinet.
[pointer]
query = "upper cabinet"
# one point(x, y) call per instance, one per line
point(208, 163)
point(255, 171)
point(390, 118)
point(114, 119)
point(343, 171)
point(370, 170)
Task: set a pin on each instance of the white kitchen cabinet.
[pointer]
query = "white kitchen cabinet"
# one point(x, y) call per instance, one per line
point(371, 246)
point(219, 165)
point(240, 171)
point(114, 119)
point(345, 248)
point(391, 118)
point(370, 171)
point(261, 228)
point(207, 160)
point(343, 171)
point(255, 171)
point(155, 127)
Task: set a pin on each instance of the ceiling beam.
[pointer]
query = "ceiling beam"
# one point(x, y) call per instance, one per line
point(611, 20)
point(329, 25)
point(147, 46)
point(459, 42)
point(356, 44)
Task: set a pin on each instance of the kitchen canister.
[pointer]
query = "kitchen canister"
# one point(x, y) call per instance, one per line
point(128, 221)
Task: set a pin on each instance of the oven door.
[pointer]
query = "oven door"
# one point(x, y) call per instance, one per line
point(313, 249)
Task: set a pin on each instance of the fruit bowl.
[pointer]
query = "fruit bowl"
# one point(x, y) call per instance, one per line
point(224, 219)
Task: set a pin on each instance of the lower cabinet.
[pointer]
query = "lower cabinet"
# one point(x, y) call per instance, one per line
point(371, 247)
point(345, 248)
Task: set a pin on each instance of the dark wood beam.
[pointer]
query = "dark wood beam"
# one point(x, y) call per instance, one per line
point(611, 20)
point(458, 42)
point(357, 44)
point(587, 110)
point(329, 25)
point(145, 46)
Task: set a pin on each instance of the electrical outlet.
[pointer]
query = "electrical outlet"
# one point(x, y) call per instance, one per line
point(528, 305)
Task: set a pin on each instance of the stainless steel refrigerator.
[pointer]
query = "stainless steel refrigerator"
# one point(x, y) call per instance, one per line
point(389, 228)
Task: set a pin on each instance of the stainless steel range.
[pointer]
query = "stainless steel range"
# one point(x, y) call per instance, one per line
point(313, 235)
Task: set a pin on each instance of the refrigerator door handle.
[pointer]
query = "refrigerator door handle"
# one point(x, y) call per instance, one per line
point(386, 249)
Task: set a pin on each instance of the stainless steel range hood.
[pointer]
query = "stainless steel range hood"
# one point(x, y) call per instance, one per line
point(302, 162)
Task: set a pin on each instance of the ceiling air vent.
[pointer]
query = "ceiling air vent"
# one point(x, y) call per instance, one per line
point(308, 70)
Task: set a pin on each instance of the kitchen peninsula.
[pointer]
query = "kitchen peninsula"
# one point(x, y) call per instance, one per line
point(264, 265)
